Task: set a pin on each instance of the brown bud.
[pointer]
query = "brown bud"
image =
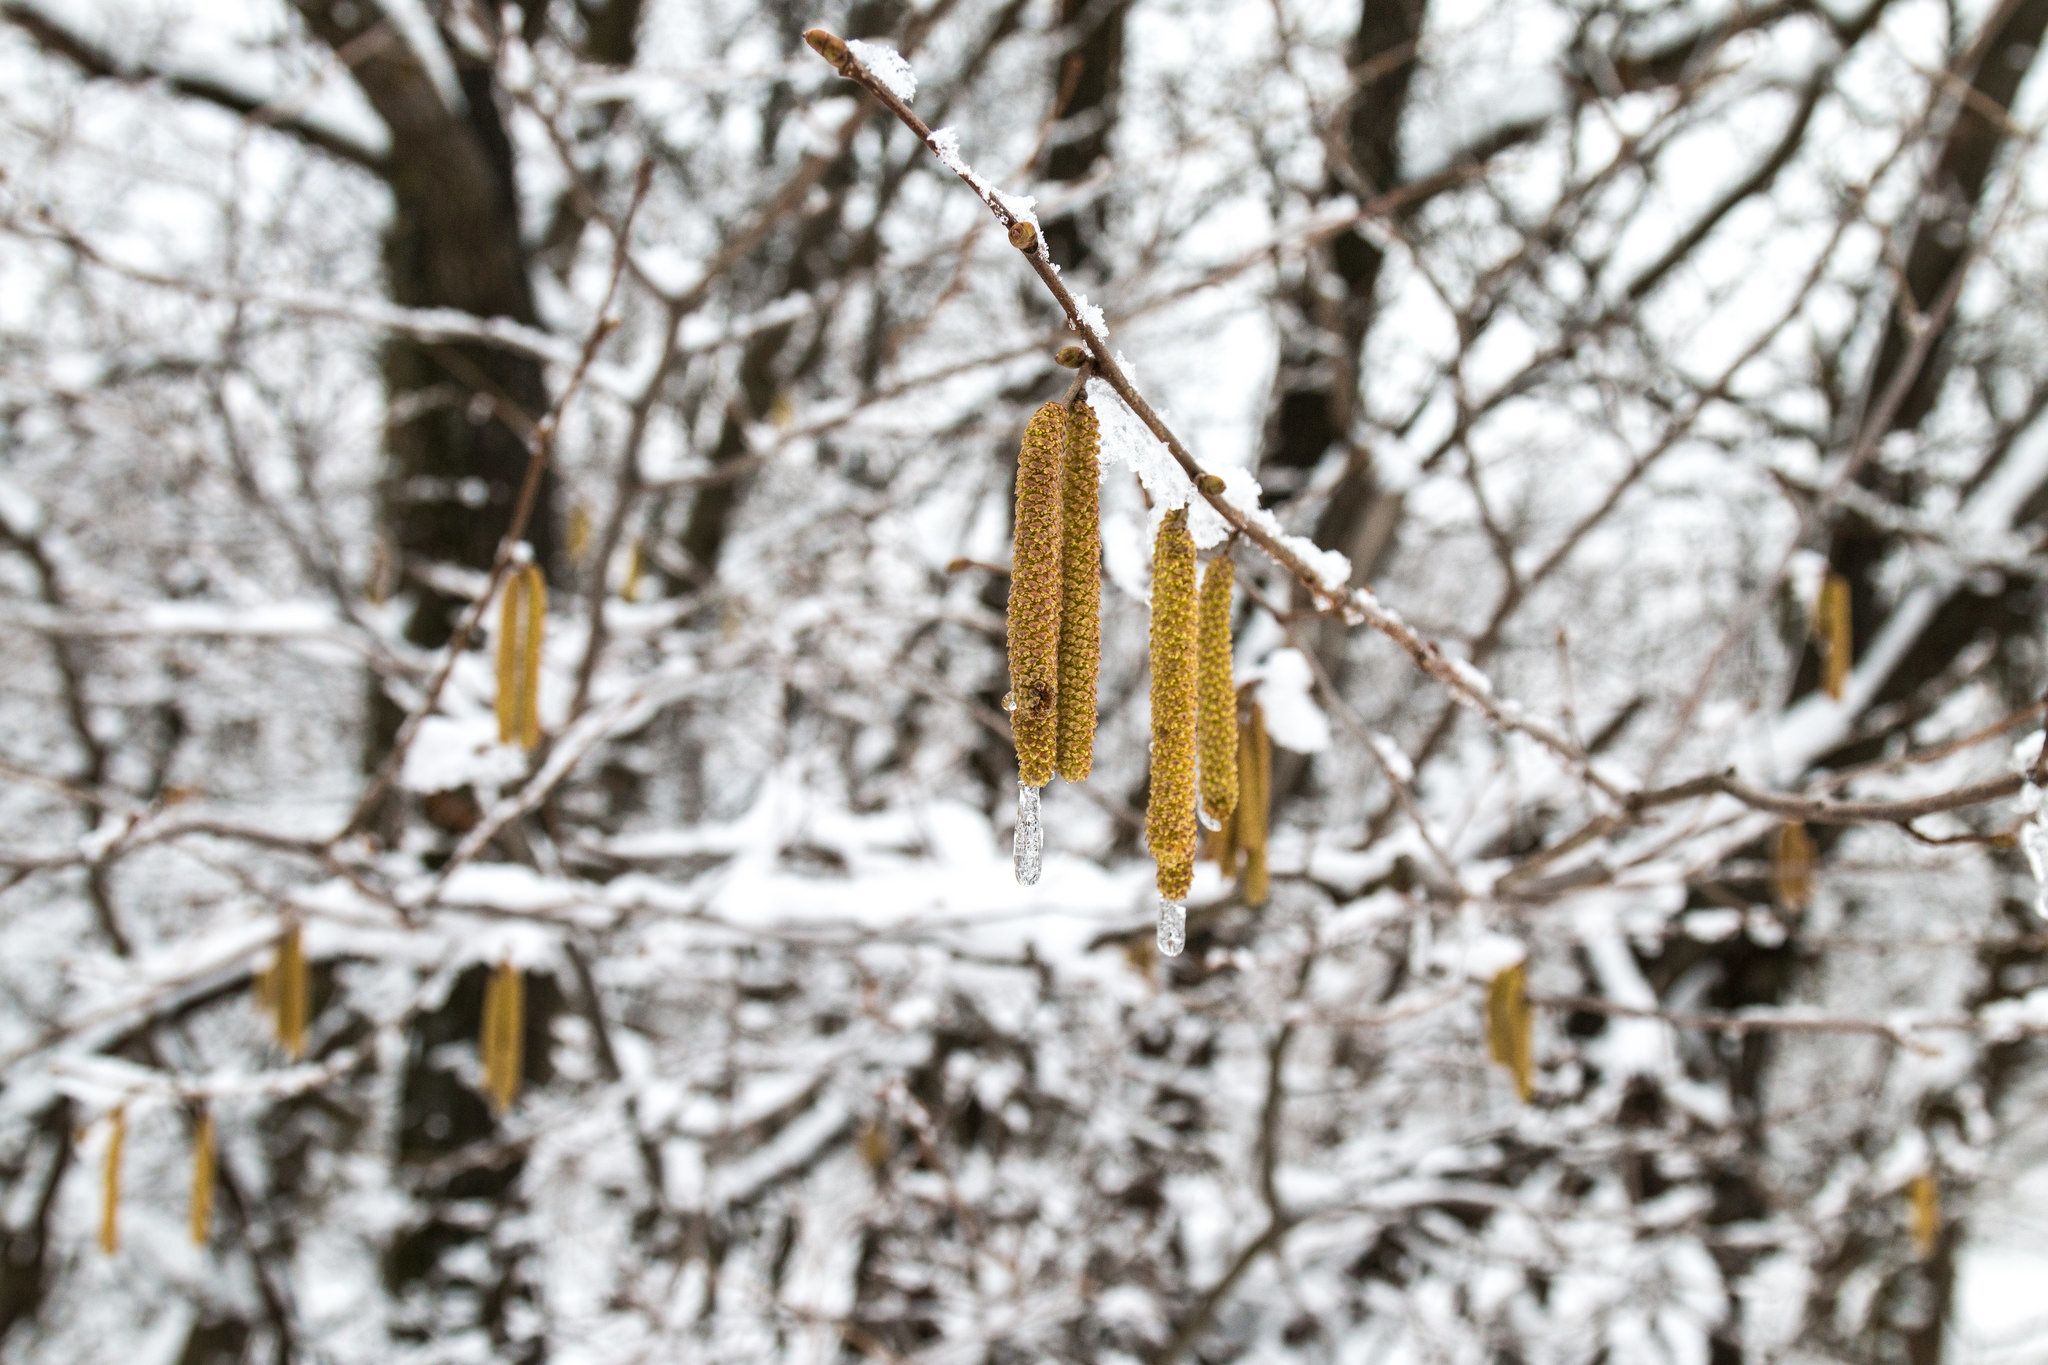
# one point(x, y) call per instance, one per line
point(1210, 484)
point(1023, 235)
point(829, 46)
point(1073, 357)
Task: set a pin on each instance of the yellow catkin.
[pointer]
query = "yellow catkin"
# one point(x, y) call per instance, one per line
point(1080, 657)
point(522, 621)
point(636, 570)
point(263, 990)
point(110, 1181)
point(536, 627)
point(1792, 866)
point(1509, 1031)
point(1034, 617)
point(1255, 804)
point(1217, 692)
point(1923, 1213)
point(502, 1038)
point(511, 614)
point(1831, 624)
point(579, 532)
point(1170, 816)
point(292, 992)
point(204, 1160)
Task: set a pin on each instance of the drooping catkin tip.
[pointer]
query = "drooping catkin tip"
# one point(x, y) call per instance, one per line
point(1170, 813)
point(1216, 692)
point(830, 46)
point(1035, 587)
point(1080, 657)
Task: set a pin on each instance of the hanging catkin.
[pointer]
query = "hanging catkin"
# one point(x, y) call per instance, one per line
point(1831, 625)
point(110, 1181)
point(1217, 693)
point(1792, 866)
point(522, 618)
point(1034, 617)
point(1170, 816)
point(291, 992)
point(1254, 803)
point(1509, 1033)
point(203, 1160)
point(1923, 1213)
point(1080, 652)
point(502, 1039)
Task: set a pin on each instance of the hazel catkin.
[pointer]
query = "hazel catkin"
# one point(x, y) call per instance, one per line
point(1080, 653)
point(1034, 614)
point(1170, 814)
point(1217, 693)
point(502, 1036)
point(522, 617)
point(1254, 803)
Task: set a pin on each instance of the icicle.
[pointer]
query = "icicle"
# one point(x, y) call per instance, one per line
point(1027, 849)
point(1173, 927)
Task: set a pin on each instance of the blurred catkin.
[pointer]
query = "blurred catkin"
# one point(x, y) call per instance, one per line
point(203, 1161)
point(1170, 816)
point(503, 1035)
point(1792, 866)
point(522, 618)
point(1034, 617)
point(1831, 624)
point(110, 1181)
point(1217, 692)
point(1254, 802)
point(1080, 654)
point(291, 992)
point(1923, 1213)
point(1509, 1029)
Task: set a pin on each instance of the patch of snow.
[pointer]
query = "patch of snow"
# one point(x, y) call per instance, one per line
point(888, 67)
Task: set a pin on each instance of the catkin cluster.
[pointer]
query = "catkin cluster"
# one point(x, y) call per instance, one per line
point(1080, 592)
point(1034, 616)
point(502, 1037)
point(1170, 814)
point(522, 617)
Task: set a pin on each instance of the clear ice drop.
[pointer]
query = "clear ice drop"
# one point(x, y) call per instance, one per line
point(1027, 848)
point(1173, 927)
